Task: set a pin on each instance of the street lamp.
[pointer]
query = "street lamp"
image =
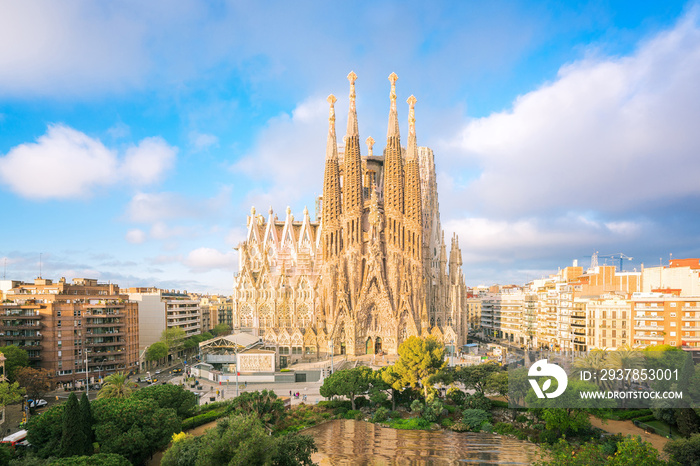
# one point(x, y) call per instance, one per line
point(331, 350)
point(87, 375)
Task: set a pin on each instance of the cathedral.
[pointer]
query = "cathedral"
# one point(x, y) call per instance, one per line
point(370, 270)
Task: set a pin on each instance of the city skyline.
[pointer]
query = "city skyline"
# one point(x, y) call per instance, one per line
point(135, 138)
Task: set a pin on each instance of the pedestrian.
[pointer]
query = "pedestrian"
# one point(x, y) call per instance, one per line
point(290, 393)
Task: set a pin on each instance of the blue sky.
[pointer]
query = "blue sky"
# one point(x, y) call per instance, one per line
point(135, 136)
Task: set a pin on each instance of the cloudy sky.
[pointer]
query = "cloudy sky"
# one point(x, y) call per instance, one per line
point(135, 136)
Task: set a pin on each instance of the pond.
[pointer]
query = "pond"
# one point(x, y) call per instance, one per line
point(362, 443)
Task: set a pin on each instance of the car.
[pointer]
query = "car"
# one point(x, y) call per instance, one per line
point(158, 372)
point(37, 403)
point(177, 371)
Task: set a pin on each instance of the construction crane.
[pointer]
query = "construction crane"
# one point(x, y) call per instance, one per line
point(618, 255)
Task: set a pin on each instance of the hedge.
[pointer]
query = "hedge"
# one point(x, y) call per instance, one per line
point(632, 414)
point(198, 420)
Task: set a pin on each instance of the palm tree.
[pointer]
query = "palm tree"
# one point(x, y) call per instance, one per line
point(625, 358)
point(594, 362)
point(116, 386)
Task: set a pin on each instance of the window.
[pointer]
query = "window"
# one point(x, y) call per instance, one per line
point(59, 344)
point(673, 334)
point(673, 314)
point(672, 304)
point(296, 350)
point(310, 350)
point(284, 350)
point(673, 343)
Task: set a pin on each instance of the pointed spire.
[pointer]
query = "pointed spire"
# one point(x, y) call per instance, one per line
point(331, 145)
point(412, 146)
point(352, 114)
point(393, 129)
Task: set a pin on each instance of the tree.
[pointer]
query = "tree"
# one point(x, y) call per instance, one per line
point(15, 357)
point(685, 451)
point(265, 405)
point(174, 338)
point(73, 437)
point(497, 383)
point(392, 380)
point(419, 359)
point(133, 428)
point(10, 393)
point(116, 386)
point(221, 329)
point(46, 431)
point(348, 382)
point(37, 382)
point(169, 396)
point(87, 420)
point(241, 440)
point(157, 351)
point(631, 451)
point(475, 377)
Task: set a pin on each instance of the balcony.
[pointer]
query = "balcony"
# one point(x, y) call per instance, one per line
point(648, 337)
point(105, 343)
point(104, 324)
point(8, 326)
point(21, 337)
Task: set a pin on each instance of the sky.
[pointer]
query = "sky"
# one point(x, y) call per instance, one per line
point(135, 136)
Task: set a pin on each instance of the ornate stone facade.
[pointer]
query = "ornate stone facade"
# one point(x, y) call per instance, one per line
point(371, 270)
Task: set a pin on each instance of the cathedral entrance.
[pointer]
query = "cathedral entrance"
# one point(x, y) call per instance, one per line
point(369, 347)
point(378, 346)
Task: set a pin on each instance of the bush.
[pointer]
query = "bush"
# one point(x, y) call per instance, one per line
point(499, 404)
point(487, 427)
point(200, 419)
point(474, 419)
point(394, 414)
point(477, 401)
point(381, 415)
point(446, 422)
point(353, 414)
point(504, 428)
point(633, 414)
point(432, 410)
point(648, 418)
point(416, 406)
point(415, 423)
point(522, 418)
point(361, 402)
point(456, 396)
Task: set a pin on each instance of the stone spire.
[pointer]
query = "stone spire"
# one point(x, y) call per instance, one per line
point(352, 176)
point(393, 129)
point(352, 113)
point(393, 176)
point(332, 207)
point(331, 144)
point(413, 199)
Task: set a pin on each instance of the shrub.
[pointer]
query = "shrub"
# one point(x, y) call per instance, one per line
point(361, 402)
point(477, 401)
point(499, 404)
point(432, 410)
point(416, 406)
point(456, 396)
point(200, 419)
point(446, 422)
point(381, 415)
point(504, 428)
point(394, 414)
point(633, 414)
point(522, 418)
point(352, 414)
point(473, 419)
point(487, 427)
point(415, 423)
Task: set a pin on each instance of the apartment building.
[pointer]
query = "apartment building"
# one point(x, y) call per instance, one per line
point(165, 309)
point(65, 327)
point(216, 310)
point(661, 318)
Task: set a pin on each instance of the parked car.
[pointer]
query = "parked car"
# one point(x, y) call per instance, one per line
point(158, 372)
point(177, 371)
point(37, 403)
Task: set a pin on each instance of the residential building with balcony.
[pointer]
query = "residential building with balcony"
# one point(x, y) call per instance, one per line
point(65, 326)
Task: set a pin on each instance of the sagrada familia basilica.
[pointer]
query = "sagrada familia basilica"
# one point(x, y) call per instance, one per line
point(371, 270)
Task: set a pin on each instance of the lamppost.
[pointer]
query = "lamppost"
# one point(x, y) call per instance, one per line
point(331, 350)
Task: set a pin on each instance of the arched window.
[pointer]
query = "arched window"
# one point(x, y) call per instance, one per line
point(304, 317)
point(285, 319)
point(266, 317)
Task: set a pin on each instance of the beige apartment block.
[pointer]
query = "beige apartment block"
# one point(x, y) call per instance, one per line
point(609, 322)
point(661, 318)
point(62, 325)
point(165, 309)
point(681, 275)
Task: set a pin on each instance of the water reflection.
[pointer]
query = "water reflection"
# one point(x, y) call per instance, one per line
point(362, 443)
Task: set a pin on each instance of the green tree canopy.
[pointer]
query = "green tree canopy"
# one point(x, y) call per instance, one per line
point(174, 338)
point(348, 382)
point(169, 396)
point(73, 441)
point(241, 440)
point(265, 405)
point(15, 357)
point(45, 432)
point(132, 427)
point(116, 386)
point(221, 329)
point(157, 351)
point(37, 382)
point(87, 420)
point(100, 459)
point(419, 359)
point(475, 377)
point(10, 393)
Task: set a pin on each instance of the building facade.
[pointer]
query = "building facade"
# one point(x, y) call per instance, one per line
point(371, 270)
point(65, 327)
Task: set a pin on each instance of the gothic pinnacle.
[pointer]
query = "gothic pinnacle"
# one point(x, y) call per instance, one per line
point(352, 114)
point(331, 145)
point(393, 129)
point(370, 144)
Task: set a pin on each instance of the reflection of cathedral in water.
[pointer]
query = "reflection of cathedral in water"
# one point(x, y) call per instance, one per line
point(371, 270)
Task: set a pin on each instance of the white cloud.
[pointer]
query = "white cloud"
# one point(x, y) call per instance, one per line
point(65, 163)
point(207, 258)
point(608, 134)
point(148, 161)
point(202, 141)
point(135, 236)
point(289, 155)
